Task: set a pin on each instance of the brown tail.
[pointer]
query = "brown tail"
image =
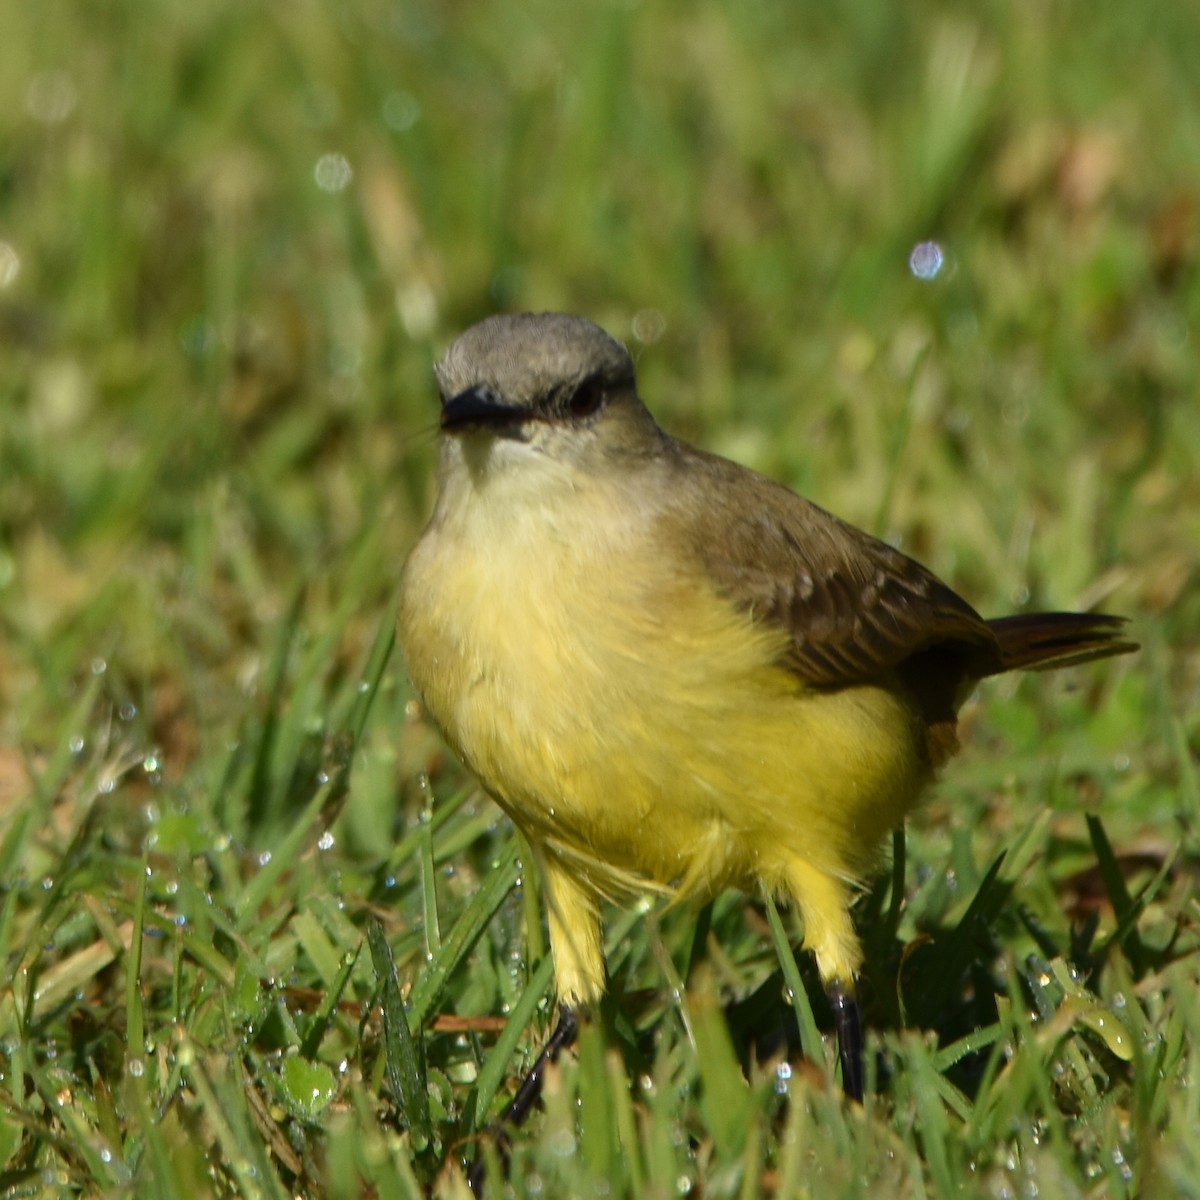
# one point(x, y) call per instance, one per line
point(1043, 641)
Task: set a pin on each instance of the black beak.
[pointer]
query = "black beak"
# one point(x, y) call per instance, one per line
point(479, 407)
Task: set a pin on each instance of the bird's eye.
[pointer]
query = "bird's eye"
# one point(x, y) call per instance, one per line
point(586, 398)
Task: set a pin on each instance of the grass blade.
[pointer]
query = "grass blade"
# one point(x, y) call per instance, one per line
point(403, 1050)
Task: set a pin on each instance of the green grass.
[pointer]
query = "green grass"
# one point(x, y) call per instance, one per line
point(260, 936)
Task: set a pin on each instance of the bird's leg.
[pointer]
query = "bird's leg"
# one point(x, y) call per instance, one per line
point(824, 904)
point(849, 1037)
point(529, 1092)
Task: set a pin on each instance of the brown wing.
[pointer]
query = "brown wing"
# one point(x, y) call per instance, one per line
point(854, 608)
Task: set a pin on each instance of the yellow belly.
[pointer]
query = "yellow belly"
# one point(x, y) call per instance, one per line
point(638, 727)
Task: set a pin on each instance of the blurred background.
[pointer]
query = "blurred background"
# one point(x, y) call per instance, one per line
point(235, 236)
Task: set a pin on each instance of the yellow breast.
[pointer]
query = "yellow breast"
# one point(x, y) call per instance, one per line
point(626, 716)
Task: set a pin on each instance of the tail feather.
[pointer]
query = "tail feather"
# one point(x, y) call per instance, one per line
point(1044, 641)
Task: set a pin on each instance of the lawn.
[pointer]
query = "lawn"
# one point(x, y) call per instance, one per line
point(261, 935)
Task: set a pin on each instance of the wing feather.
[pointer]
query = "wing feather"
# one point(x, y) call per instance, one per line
point(854, 608)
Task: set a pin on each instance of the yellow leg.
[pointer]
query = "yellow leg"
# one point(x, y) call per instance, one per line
point(824, 903)
point(574, 919)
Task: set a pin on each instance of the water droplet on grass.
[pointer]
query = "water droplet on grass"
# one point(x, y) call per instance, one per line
point(401, 111)
point(333, 172)
point(926, 260)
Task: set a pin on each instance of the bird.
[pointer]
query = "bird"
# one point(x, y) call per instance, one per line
point(674, 675)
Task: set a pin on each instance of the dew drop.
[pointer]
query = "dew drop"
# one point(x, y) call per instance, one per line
point(562, 1143)
point(401, 111)
point(649, 325)
point(332, 172)
point(926, 260)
